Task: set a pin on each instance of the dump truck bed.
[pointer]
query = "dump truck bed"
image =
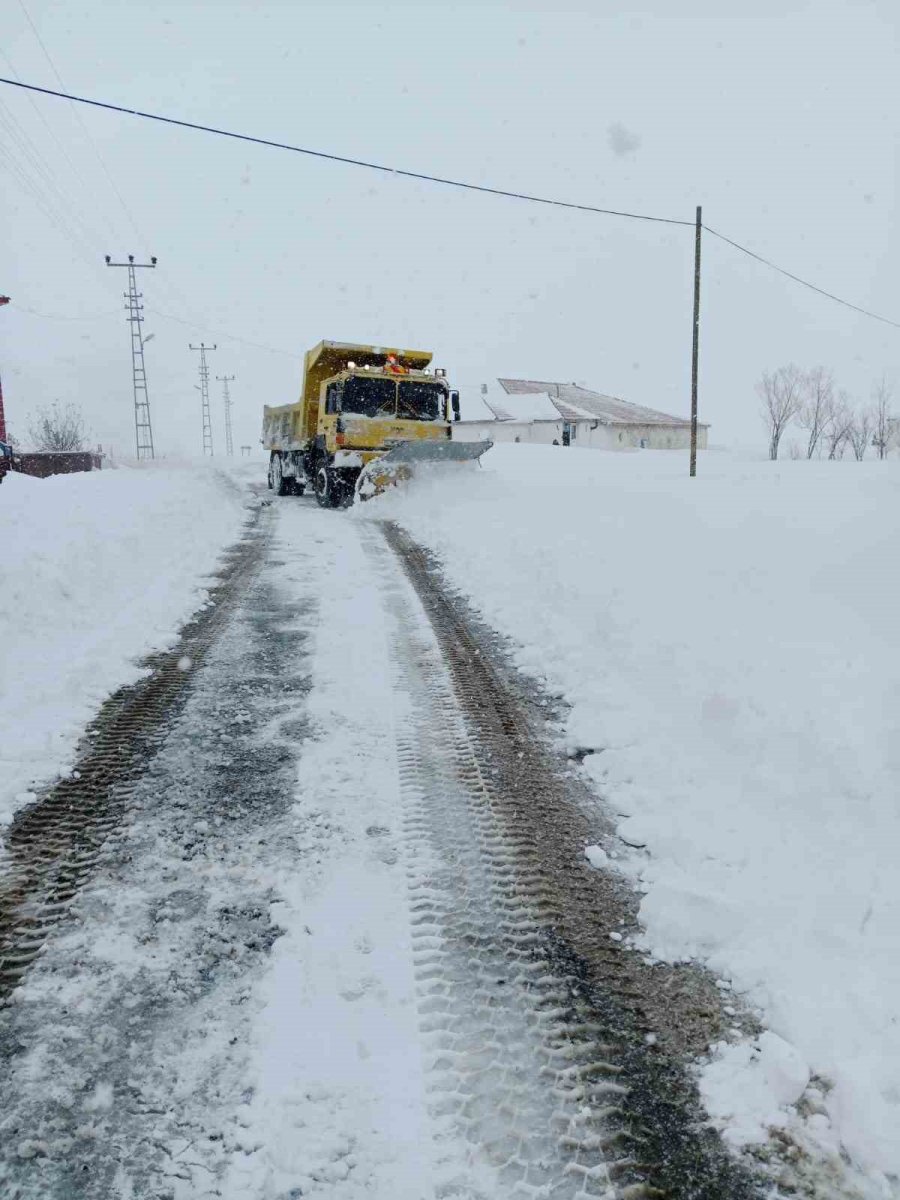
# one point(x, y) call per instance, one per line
point(283, 427)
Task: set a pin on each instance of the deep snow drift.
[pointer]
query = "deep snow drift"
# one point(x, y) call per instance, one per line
point(97, 570)
point(730, 649)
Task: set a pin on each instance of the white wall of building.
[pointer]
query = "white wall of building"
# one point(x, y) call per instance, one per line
point(603, 437)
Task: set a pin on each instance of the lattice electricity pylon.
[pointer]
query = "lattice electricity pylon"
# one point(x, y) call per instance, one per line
point(204, 397)
point(226, 398)
point(143, 432)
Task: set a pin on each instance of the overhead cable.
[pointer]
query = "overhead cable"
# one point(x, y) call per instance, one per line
point(167, 284)
point(804, 282)
point(84, 128)
point(423, 177)
point(220, 333)
point(353, 162)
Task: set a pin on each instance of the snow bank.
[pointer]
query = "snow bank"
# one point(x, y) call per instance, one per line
point(97, 570)
point(730, 647)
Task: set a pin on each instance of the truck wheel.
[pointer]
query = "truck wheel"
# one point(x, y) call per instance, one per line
point(280, 485)
point(326, 492)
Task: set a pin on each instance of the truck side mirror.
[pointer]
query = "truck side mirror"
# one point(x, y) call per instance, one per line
point(454, 404)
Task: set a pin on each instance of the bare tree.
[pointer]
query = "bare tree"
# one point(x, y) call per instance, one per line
point(860, 432)
point(838, 431)
point(882, 434)
point(59, 427)
point(780, 393)
point(817, 406)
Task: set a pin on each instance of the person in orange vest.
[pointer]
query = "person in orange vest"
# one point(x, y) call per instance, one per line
point(393, 367)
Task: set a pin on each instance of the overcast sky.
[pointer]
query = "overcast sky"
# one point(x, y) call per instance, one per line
point(780, 118)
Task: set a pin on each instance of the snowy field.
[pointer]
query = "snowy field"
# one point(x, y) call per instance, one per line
point(730, 650)
point(98, 570)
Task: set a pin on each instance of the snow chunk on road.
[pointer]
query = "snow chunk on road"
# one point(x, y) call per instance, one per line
point(98, 570)
point(596, 856)
point(100, 1099)
point(748, 1088)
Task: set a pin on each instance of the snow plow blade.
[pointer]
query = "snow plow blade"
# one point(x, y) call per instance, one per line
point(402, 461)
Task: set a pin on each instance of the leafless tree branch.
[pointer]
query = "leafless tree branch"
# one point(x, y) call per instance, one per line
point(58, 428)
point(780, 393)
point(817, 407)
point(882, 433)
point(838, 430)
point(860, 432)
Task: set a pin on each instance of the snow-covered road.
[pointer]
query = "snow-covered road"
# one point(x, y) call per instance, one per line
point(313, 960)
point(346, 941)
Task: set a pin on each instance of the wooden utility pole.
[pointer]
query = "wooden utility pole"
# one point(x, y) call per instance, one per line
point(695, 354)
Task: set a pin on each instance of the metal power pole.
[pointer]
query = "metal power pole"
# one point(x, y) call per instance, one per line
point(695, 355)
point(226, 397)
point(5, 448)
point(3, 300)
point(204, 397)
point(143, 433)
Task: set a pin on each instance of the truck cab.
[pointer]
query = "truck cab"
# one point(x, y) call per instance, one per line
point(358, 404)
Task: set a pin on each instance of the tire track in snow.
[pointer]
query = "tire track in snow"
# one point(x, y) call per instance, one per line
point(124, 1055)
point(519, 1072)
point(544, 1067)
point(53, 845)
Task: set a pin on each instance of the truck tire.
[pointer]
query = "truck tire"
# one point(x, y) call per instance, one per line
point(327, 491)
point(280, 485)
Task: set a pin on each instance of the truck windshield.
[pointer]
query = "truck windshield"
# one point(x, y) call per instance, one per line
point(369, 397)
point(417, 401)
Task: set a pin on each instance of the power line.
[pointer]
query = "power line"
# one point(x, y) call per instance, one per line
point(231, 337)
point(167, 285)
point(353, 162)
point(38, 174)
point(423, 177)
point(803, 282)
point(32, 312)
point(84, 128)
point(43, 120)
point(27, 171)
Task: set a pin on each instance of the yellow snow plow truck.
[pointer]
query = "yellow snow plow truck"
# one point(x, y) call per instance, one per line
point(367, 417)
